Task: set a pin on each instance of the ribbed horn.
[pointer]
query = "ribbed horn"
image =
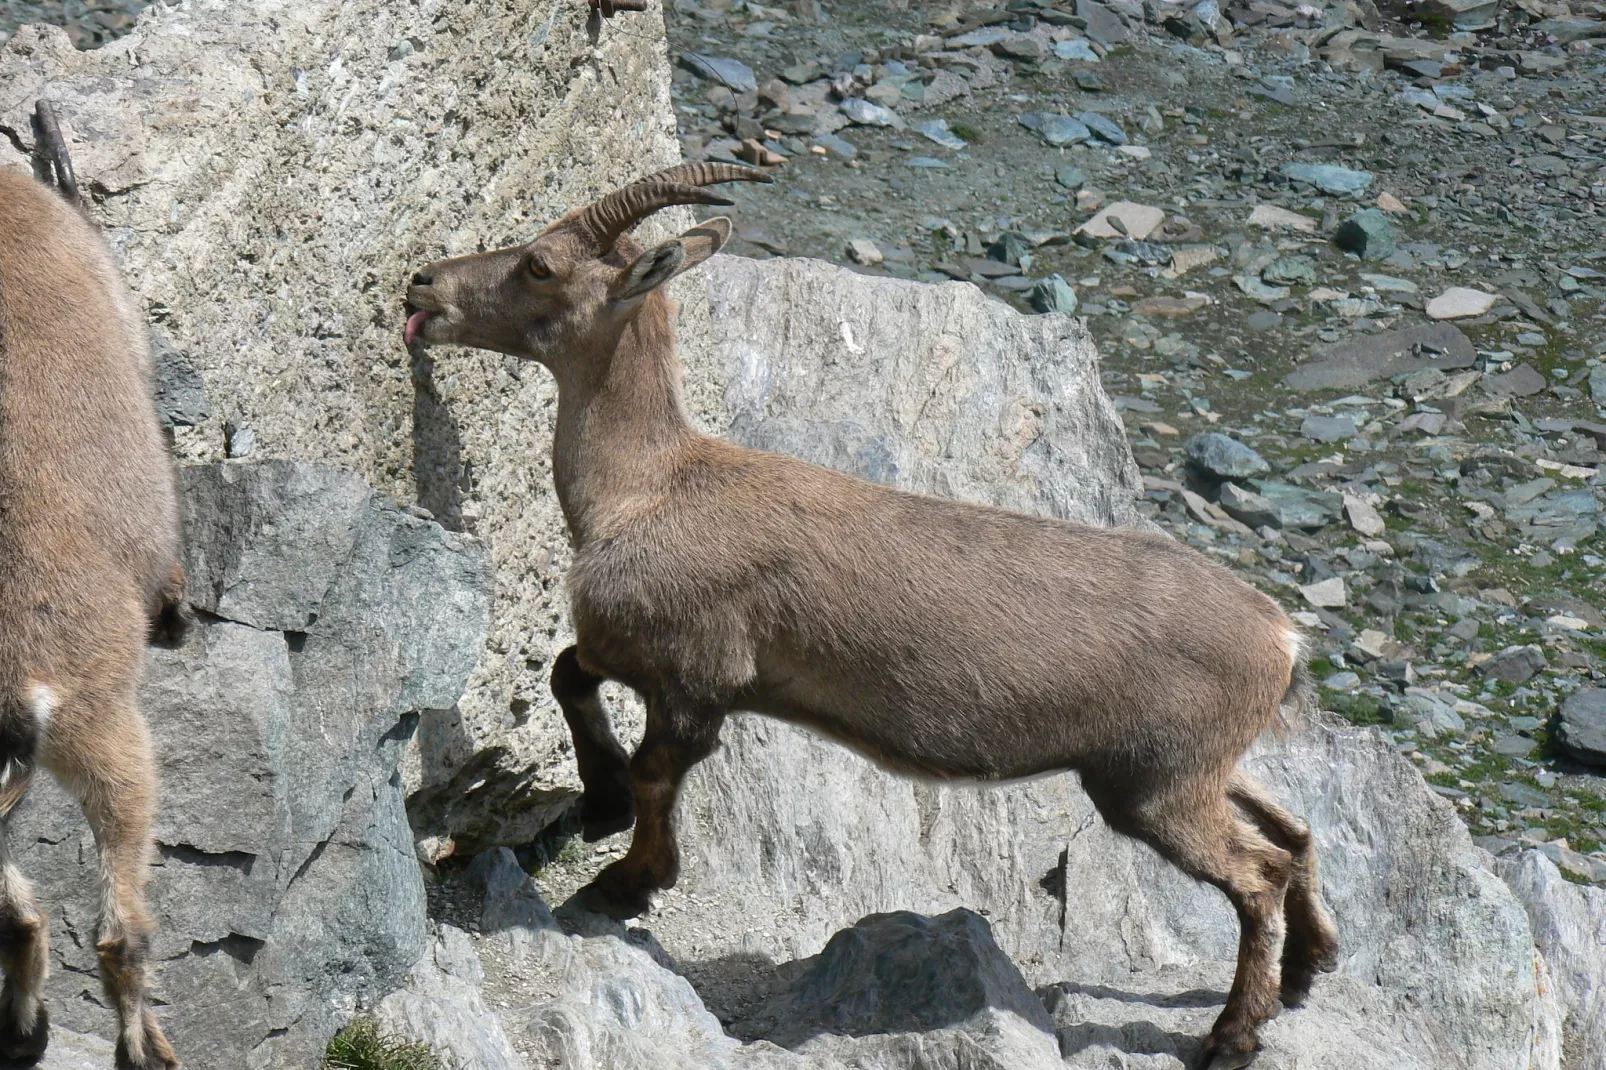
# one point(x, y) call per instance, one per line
point(622, 209)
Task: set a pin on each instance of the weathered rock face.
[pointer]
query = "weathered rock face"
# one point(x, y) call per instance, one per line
point(272, 173)
point(1569, 927)
point(286, 886)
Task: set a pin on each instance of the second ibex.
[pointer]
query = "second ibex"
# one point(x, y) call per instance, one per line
point(940, 639)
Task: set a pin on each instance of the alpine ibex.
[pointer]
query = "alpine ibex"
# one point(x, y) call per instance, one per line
point(940, 639)
point(89, 538)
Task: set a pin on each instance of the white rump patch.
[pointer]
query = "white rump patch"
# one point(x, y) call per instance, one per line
point(44, 700)
point(1294, 639)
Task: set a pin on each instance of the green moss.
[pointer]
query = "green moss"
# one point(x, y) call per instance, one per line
point(1357, 709)
point(1321, 667)
point(360, 1046)
point(968, 133)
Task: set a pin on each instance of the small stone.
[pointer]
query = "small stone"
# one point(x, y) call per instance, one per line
point(1368, 234)
point(1186, 259)
point(733, 73)
point(1289, 271)
point(1389, 284)
point(1272, 217)
point(1328, 594)
point(1366, 520)
point(867, 113)
point(864, 251)
point(1170, 306)
point(937, 130)
point(1329, 178)
point(1222, 457)
point(1391, 204)
point(1260, 291)
point(1102, 128)
point(836, 146)
point(1088, 81)
point(1328, 428)
point(1459, 302)
point(1514, 664)
point(1077, 49)
point(1071, 177)
point(1597, 384)
point(1248, 507)
point(1055, 129)
point(1020, 46)
point(1053, 294)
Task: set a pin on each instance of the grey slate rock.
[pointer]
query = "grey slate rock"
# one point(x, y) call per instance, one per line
point(1360, 359)
point(286, 884)
point(1054, 294)
point(1249, 508)
point(1102, 127)
point(1515, 664)
point(732, 73)
point(1369, 234)
point(1298, 507)
point(1055, 129)
point(1329, 178)
point(1327, 428)
point(181, 399)
point(1222, 457)
point(1581, 726)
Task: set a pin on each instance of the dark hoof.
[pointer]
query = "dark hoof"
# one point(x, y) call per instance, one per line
point(616, 901)
point(156, 1058)
point(1299, 976)
point(605, 822)
point(19, 1050)
point(1224, 1054)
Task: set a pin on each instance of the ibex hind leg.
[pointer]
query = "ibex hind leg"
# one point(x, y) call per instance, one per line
point(25, 957)
point(607, 806)
point(112, 769)
point(1192, 826)
point(1312, 943)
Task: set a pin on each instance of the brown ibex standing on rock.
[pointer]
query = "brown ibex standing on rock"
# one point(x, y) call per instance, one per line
point(89, 566)
point(940, 639)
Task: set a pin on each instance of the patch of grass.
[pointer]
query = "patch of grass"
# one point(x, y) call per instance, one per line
point(360, 1046)
point(1446, 780)
point(968, 133)
point(1357, 709)
point(1320, 667)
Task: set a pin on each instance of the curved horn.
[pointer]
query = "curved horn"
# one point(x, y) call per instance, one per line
point(604, 221)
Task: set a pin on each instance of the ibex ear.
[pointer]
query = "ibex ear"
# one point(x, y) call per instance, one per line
point(660, 264)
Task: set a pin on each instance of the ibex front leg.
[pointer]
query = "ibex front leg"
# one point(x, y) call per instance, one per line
point(679, 735)
point(606, 807)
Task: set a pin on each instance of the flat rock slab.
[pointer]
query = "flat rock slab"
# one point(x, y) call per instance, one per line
point(1460, 302)
point(1358, 360)
point(1140, 221)
point(1520, 382)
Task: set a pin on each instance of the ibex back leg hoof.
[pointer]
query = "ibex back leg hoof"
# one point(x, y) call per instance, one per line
point(22, 1048)
point(153, 1052)
point(619, 892)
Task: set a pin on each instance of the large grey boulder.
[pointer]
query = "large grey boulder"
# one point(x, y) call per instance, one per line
point(1569, 927)
point(286, 888)
point(271, 175)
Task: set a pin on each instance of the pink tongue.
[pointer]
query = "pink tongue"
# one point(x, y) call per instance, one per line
point(415, 326)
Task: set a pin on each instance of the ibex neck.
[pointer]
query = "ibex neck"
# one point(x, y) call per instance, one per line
point(621, 427)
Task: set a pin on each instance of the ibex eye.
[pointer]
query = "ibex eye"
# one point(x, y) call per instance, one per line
point(538, 268)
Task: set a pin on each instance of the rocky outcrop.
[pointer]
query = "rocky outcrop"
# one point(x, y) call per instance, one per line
point(1569, 928)
point(285, 888)
point(272, 174)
